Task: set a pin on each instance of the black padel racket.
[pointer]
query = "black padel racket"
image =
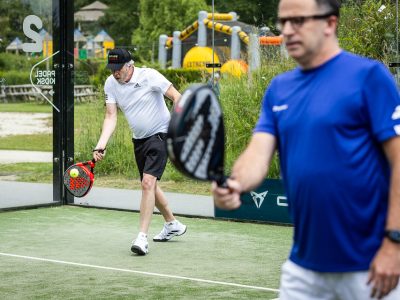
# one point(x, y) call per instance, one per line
point(196, 135)
point(79, 178)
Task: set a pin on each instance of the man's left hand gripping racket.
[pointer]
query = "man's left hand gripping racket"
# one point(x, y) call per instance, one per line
point(79, 178)
point(196, 136)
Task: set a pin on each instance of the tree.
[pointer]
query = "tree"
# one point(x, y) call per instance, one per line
point(256, 12)
point(120, 20)
point(163, 17)
point(12, 15)
point(366, 30)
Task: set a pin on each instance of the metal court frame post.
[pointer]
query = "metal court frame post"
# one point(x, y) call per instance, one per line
point(63, 121)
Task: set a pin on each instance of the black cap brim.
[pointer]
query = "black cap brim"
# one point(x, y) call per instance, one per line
point(115, 67)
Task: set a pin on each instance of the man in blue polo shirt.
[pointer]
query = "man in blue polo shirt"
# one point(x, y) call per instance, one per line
point(335, 121)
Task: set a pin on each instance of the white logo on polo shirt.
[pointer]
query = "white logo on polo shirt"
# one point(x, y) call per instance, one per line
point(397, 129)
point(396, 113)
point(277, 108)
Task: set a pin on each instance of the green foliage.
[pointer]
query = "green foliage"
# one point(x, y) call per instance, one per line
point(15, 77)
point(241, 102)
point(29, 142)
point(12, 14)
point(257, 12)
point(100, 77)
point(120, 20)
point(366, 31)
point(11, 61)
point(78, 4)
point(29, 172)
point(86, 71)
point(30, 107)
point(88, 124)
point(182, 77)
point(163, 17)
point(15, 69)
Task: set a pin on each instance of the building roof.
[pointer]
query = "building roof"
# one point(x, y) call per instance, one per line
point(91, 45)
point(78, 36)
point(45, 35)
point(96, 5)
point(88, 16)
point(16, 44)
point(103, 36)
point(91, 12)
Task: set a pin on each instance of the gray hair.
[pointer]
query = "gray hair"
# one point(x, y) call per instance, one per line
point(130, 63)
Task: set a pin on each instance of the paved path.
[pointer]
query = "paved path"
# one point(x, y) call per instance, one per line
point(17, 194)
point(17, 156)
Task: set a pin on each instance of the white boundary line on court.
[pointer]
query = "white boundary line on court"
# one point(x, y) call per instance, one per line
point(141, 272)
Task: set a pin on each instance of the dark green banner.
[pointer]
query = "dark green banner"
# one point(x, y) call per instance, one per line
point(267, 203)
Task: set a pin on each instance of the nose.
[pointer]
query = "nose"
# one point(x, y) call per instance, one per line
point(116, 74)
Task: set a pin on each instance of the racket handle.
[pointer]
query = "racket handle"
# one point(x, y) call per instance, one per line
point(100, 151)
point(221, 181)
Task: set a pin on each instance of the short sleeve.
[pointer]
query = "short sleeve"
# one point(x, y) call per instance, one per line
point(108, 91)
point(383, 103)
point(158, 82)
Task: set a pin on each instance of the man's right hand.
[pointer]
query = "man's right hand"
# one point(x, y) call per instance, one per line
point(98, 154)
point(227, 198)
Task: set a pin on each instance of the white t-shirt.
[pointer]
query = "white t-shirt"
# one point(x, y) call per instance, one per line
point(141, 100)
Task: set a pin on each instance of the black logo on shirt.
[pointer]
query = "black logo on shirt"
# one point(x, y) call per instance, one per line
point(137, 85)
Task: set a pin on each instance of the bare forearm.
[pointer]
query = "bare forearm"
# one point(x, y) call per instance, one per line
point(109, 125)
point(393, 219)
point(173, 94)
point(392, 151)
point(385, 267)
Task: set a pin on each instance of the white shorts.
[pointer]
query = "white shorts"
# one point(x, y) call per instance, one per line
point(298, 283)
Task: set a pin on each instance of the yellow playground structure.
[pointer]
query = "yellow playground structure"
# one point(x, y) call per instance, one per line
point(229, 36)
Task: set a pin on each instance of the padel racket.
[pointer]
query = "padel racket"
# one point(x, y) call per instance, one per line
point(79, 178)
point(196, 135)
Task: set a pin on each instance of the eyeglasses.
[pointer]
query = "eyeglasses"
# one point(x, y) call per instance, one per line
point(297, 22)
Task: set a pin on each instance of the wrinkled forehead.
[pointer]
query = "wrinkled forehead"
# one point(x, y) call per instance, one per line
point(289, 8)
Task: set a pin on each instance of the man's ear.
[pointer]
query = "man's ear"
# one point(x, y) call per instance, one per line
point(333, 23)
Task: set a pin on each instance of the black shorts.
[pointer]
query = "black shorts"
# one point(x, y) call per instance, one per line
point(151, 155)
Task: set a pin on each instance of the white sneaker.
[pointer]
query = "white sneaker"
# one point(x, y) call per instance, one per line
point(170, 229)
point(140, 246)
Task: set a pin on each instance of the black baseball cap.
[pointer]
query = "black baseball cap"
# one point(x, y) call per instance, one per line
point(117, 58)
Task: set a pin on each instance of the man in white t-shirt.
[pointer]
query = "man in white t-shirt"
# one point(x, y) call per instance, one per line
point(139, 93)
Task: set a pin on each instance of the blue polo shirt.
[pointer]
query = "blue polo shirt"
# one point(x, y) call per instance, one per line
point(330, 123)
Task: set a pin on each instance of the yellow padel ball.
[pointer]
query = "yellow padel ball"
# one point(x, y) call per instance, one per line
point(74, 173)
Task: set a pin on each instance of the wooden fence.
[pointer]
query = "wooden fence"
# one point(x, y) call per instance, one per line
point(26, 92)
